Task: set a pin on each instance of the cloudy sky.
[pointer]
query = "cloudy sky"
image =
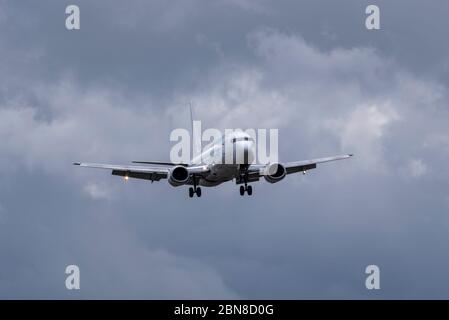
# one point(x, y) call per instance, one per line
point(113, 91)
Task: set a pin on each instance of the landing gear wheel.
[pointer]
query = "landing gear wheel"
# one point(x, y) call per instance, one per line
point(194, 190)
point(249, 189)
point(242, 190)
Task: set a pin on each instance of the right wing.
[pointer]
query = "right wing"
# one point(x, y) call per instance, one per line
point(154, 173)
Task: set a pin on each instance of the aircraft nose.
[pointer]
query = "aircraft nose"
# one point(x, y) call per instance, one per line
point(248, 151)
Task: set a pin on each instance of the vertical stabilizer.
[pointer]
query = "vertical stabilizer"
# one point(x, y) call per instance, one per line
point(195, 134)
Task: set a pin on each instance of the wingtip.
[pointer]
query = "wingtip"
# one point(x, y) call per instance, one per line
point(351, 154)
point(76, 163)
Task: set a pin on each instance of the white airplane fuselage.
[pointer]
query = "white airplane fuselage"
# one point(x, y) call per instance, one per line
point(226, 158)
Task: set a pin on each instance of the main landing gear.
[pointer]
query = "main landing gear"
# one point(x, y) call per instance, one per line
point(247, 188)
point(195, 190)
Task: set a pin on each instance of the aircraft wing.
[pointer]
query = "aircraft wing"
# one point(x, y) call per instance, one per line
point(304, 165)
point(153, 173)
point(257, 171)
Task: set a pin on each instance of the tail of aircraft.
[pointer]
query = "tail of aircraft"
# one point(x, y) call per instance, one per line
point(195, 143)
point(191, 118)
point(192, 141)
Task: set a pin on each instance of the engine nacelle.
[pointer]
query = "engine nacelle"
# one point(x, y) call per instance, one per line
point(178, 176)
point(275, 172)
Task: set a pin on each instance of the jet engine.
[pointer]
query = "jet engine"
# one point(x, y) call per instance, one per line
point(178, 175)
point(274, 172)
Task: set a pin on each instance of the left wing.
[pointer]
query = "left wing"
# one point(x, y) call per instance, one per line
point(257, 171)
point(301, 166)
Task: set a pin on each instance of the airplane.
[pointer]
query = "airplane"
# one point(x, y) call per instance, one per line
point(205, 170)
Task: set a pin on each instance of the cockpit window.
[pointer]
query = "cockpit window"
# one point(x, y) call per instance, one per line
point(241, 139)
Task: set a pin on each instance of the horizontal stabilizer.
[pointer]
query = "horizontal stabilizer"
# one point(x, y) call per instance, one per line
point(161, 163)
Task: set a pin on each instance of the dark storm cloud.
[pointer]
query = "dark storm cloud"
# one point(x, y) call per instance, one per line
point(115, 89)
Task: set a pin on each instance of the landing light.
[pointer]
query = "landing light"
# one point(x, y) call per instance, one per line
point(126, 178)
